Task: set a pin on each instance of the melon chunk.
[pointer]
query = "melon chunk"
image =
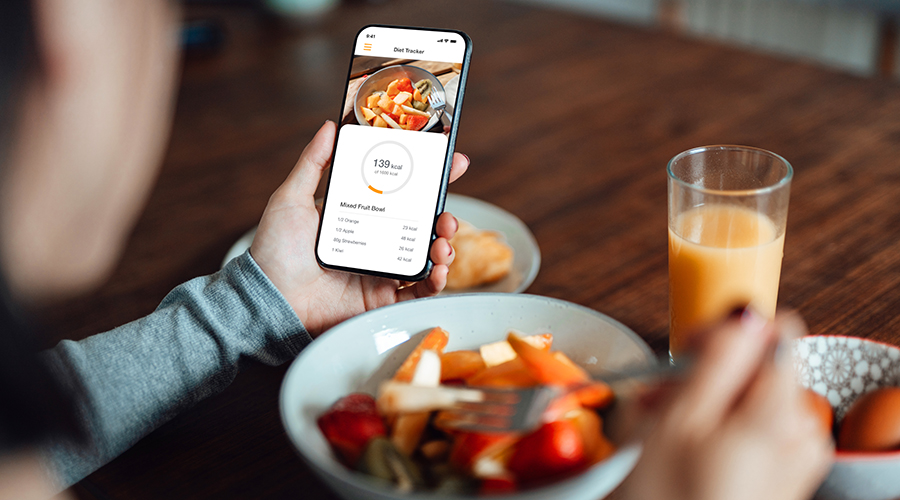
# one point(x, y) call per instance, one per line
point(392, 89)
point(500, 352)
point(386, 104)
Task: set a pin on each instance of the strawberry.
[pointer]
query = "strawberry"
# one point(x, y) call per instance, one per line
point(416, 122)
point(349, 425)
point(553, 449)
point(500, 485)
point(468, 447)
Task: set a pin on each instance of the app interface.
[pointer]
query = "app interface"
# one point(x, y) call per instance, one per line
point(391, 148)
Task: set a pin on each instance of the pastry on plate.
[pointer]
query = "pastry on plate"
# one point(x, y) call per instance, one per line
point(481, 257)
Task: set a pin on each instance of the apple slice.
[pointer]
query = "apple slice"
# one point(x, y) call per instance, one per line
point(497, 353)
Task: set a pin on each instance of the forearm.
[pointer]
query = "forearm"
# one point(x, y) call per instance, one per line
point(132, 379)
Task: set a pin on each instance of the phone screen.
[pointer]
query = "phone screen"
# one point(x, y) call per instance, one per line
point(393, 151)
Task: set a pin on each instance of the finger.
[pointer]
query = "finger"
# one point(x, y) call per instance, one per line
point(816, 456)
point(430, 286)
point(724, 368)
point(790, 326)
point(446, 226)
point(459, 166)
point(304, 178)
point(435, 282)
point(767, 398)
point(442, 252)
point(776, 392)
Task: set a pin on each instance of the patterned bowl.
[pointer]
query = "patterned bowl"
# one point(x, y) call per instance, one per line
point(842, 369)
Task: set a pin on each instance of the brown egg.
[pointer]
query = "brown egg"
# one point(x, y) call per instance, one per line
point(873, 422)
point(819, 407)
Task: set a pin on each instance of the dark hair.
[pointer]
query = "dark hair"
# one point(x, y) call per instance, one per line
point(33, 407)
point(17, 54)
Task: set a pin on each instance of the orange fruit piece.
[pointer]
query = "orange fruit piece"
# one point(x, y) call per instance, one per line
point(513, 373)
point(596, 446)
point(595, 395)
point(544, 366)
point(873, 422)
point(820, 408)
point(436, 340)
point(459, 365)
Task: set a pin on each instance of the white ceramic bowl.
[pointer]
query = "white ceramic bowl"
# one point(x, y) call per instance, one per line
point(842, 369)
point(361, 352)
point(380, 79)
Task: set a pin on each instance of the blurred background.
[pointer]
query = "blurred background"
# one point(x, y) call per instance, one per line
point(572, 109)
point(858, 36)
point(260, 76)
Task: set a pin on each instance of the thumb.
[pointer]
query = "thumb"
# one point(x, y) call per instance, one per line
point(304, 178)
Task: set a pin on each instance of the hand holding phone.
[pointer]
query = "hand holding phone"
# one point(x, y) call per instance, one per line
point(393, 151)
point(284, 247)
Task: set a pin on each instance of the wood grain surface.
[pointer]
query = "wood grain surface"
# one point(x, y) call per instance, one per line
point(569, 122)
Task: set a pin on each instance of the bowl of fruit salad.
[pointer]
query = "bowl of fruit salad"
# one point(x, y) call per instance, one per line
point(397, 97)
point(336, 414)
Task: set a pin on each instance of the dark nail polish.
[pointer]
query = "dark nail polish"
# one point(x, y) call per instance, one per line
point(751, 321)
point(738, 312)
point(467, 158)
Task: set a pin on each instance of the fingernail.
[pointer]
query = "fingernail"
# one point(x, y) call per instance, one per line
point(450, 252)
point(467, 158)
point(737, 312)
point(751, 321)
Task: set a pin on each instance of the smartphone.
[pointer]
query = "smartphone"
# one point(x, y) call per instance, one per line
point(393, 151)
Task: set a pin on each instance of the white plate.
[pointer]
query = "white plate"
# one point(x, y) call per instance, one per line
point(359, 353)
point(483, 215)
point(527, 254)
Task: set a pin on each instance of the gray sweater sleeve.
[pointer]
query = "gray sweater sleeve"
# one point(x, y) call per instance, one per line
point(133, 379)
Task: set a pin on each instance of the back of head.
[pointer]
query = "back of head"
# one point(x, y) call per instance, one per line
point(17, 55)
point(32, 406)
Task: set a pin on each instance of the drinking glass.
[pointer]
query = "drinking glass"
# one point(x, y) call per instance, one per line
point(728, 210)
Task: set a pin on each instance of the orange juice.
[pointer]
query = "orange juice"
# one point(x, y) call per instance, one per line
point(720, 257)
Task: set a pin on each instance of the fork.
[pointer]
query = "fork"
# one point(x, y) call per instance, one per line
point(486, 409)
point(437, 103)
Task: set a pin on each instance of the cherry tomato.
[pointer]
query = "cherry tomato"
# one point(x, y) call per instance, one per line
point(554, 449)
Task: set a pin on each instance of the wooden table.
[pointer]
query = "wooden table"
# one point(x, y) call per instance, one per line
point(569, 122)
